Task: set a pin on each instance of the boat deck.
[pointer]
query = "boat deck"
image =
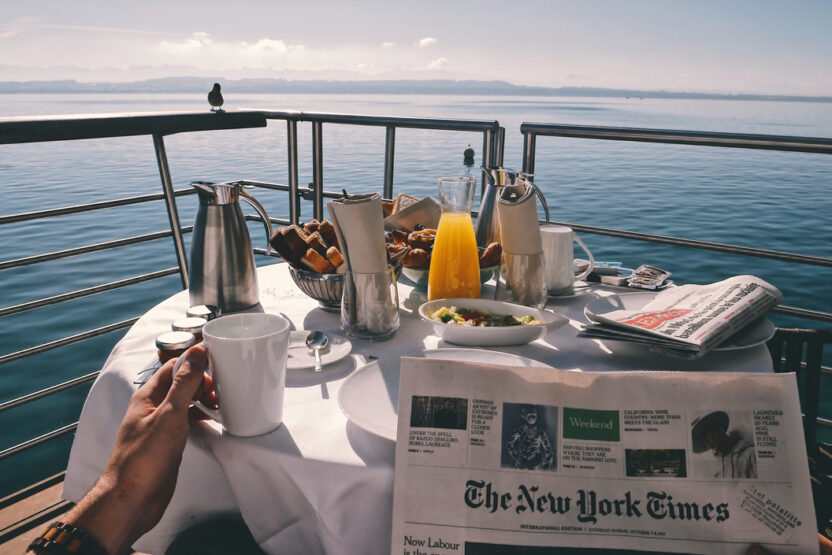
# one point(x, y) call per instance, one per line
point(24, 514)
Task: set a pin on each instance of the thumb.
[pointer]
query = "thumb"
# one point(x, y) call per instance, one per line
point(188, 377)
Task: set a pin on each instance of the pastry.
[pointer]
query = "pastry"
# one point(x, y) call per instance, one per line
point(311, 227)
point(316, 262)
point(417, 258)
point(327, 231)
point(295, 238)
point(398, 236)
point(315, 241)
point(278, 243)
point(491, 255)
point(422, 239)
point(334, 257)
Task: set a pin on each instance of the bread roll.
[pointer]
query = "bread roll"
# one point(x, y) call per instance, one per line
point(316, 262)
point(334, 257)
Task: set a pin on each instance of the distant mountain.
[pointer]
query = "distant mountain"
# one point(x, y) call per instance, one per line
point(432, 86)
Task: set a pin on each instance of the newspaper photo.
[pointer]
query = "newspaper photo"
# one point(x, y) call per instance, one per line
point(494, 459)
point(689, 320)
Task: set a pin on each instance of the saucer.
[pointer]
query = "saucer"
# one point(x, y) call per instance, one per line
point(300, 357)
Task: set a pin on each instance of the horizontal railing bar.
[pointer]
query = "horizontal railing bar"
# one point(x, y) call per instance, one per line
point(257, 218)
point(700, 138)
point(79, 293)
point(30, 129)
point(803, 313)
point(47, 391)
point(271, 254)
point(89, 207)
point(37, 440)
point(824, 423)
point(67, 340)
point(384, 121)
point(705, 245)
point(47, 257)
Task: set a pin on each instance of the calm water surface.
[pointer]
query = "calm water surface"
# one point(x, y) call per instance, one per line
point(779, 201)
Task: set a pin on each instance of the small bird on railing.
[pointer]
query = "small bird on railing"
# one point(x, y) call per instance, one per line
point(215, 98)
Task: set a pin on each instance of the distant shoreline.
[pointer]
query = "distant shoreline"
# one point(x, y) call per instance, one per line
point(177, 85)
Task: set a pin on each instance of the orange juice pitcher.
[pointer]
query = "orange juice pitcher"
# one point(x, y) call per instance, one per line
point(455, 264)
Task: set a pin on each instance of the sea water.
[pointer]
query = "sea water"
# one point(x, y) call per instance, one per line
point(774, 200)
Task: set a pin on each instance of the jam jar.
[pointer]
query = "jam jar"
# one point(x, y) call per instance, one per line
point(171, 344)
point(209, 312)
point(191, 324)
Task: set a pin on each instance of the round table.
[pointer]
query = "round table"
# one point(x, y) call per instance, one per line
point(319, 483)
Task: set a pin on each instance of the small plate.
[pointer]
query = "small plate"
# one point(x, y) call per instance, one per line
point(475, 336)
point(300, 357)
point(419, 276)
point(755, 333)
point(369, 397)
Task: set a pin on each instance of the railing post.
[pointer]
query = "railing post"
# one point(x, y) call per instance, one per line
point(487, 155)
point(389, 153)
point(318, 169)
point(499, 146)
point(292, 148)
point(170, 203)
point(529, 146)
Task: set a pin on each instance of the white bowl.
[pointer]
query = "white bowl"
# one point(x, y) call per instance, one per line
point(486, 337)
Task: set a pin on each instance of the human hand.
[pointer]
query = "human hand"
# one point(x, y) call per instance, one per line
point(139, 479)
point(825, 548)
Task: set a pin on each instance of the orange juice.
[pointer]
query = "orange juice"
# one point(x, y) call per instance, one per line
point(455, 263)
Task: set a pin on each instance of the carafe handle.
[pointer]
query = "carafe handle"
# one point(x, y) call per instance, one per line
point(262, 212)
point(528, 178)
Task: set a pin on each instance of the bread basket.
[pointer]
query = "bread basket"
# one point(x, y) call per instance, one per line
point(327, 288)
point(324, 288)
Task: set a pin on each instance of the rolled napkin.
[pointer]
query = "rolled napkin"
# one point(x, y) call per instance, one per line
point(367, 303)
point(360, 229)
point(520, 234)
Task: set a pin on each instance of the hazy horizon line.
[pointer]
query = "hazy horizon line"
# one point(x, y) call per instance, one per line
point(262, 85)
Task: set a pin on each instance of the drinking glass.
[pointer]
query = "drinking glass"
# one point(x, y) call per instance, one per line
point(455, 264)
point(370, 305)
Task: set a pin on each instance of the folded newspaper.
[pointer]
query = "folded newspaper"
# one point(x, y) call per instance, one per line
point(689, 320)
point(494, 459)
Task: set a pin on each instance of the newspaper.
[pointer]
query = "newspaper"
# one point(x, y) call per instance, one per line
point(494, 459)
point(689, 320)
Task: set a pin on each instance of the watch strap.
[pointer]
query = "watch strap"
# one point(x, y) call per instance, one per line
point(63, 539)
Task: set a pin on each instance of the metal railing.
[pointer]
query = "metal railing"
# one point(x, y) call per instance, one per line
point(26, 130)
point(531, 131)
point(49, 129)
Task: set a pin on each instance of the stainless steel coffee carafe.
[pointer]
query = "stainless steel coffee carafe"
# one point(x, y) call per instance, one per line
point(495, 178)
point(222, 270)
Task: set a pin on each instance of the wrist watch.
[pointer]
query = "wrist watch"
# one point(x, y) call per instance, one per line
point(62, 539)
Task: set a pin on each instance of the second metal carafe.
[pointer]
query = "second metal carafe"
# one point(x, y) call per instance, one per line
point(222, 270)
point(494, 179)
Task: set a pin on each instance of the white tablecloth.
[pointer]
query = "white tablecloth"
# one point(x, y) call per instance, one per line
point(318, 484)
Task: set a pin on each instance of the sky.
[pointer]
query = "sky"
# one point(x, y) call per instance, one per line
point(726, 46)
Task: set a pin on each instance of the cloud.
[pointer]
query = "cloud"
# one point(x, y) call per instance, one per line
point(388, 44)
point(201, 49)
point(425, 42)
point(16, 27)
point(439, 63)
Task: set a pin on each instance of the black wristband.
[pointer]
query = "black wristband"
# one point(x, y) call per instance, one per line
point(65, 539)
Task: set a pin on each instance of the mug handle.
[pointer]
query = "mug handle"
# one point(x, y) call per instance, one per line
point(213, 413)
point(589, 254)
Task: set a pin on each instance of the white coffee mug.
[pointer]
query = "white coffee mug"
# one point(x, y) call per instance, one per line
point(247, 360)
point(558, 257)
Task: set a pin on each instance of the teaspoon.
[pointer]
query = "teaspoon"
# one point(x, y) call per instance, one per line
point(316, 341)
